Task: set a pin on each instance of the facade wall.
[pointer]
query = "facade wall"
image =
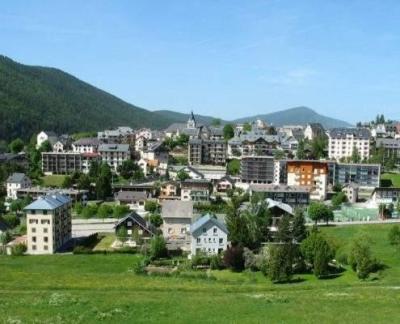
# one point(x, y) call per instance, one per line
point(48, 230)
point(210, 239)
point(257, 169)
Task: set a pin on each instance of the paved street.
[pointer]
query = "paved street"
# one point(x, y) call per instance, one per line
point(85, 227)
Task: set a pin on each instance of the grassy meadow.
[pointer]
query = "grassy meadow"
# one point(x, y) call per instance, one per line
point(103, 288)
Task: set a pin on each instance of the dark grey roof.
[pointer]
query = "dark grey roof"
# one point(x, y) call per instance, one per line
point(50, 133)
point(16, 177)
point(208, 218)
point(341, 133)
point(278, 188)
point(175, 127)
point(87, 141)
point(136, 218)
point(131, 195)
point(114, 148)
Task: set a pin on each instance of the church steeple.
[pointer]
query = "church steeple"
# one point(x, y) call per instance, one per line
point(191, 123)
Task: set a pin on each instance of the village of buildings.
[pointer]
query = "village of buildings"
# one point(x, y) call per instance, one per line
point(189, 166)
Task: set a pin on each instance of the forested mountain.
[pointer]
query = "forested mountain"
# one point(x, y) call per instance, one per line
point(33, 98)
point(296, 116)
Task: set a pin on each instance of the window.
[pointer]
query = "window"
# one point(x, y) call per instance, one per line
point(215, 230)
point(45, 239)
point(221, 240)
point(33, 221)
point(45, 230)
point(204, 230)
point(34, 239)
point(183, 230)
point(170, 230)
point(45, 247)
point(33, 247)
point(33, 230)
point(198, 240)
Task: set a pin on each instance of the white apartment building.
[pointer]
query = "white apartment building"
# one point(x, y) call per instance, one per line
point(86, 145)
point(17, 181)
point(114, 154)
point(209, 236)
point(48, 221)
point(342, 142)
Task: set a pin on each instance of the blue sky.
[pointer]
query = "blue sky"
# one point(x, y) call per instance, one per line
point(227, 58)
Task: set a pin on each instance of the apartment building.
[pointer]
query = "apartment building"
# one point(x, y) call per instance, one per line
point(343, 141)
point(313, 174)
point(197, 190)
point(257, 169)
point(207, 151)
point(391, 147)
point(67, 162)
point(364, 175)
point(48, 222)
point(252, 143)
point(292, 195)
point(114, 154)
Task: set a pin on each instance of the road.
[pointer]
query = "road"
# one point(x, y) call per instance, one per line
point(86, 227)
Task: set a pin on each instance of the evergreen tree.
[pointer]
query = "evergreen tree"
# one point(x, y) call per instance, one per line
point(103, 182)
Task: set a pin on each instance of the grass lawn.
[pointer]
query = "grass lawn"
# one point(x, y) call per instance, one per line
point(103, 288)
point(54, 180)
point(394, 177)
point(105, 243)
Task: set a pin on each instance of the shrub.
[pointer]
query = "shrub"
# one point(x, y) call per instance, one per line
point(82, 250)
point(200, 259)
point(280, 267)
point(249, 259)
point(11, 220)
point(216, 262)
point(139, 267)
point(158, 248)
point(233, 258)
point(18, 249)
point(361, 259)
point(394, 235)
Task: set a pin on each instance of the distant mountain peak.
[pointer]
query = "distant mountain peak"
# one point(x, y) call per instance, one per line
point(300, 115)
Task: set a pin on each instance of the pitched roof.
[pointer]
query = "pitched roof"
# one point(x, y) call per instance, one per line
point(48, 202)
point(362, 133)
point(204, 220)
point(139, 220)
point(131, 195)
point(16, 177)
point(285, 207)
point(177, 209)
point(87, 141)
point(114, 148)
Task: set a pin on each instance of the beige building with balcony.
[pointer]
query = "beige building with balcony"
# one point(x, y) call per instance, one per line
point(48, 222)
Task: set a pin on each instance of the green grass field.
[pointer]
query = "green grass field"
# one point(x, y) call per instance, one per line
point(103, 288)
point(54, 180)
point(393, 177)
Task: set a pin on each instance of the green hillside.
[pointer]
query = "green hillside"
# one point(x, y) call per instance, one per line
point(33, 98)
point(297, 116)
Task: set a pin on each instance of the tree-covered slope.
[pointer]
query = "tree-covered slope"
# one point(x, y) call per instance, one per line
point(297, 116)
point(34, 98)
